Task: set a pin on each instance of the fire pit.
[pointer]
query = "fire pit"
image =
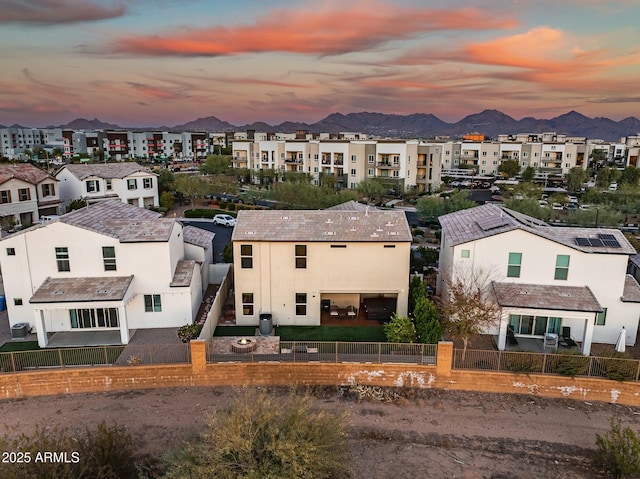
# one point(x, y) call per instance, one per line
point(243, 345)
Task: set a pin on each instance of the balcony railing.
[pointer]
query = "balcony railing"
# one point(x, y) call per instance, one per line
point(387, 164)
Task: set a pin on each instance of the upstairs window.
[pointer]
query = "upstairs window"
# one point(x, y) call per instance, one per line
point(601, 318)
point(5, 196)
point(147, 183)
point(93, 186)
point(301, 256)
point(301, 304)
point(48, 189)
point(132, 184)
point(62, 259)
point(515, 262)
point(562, 267)
point(108, 184)
point(152, 303)
point(246, 256)
point(109, 258)
point(24, 194)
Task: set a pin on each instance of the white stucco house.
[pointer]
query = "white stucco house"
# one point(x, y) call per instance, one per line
point(107, 267)
point(291, 263)
point(27, 193)
point(543, 277)
point(128, 182)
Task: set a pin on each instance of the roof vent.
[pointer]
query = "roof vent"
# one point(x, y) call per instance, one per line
point(59, 292)
point(354, 218)
point(285, 217)
point(564, 295)
point(352, 229)
point(379, 230)
point(374, 235)
point(329, 233)
point(392, 233)
point(249, 232)
point(329, 221)
point(102, 291)
point(389, 223)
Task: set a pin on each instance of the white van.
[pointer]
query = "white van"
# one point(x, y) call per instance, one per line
point(613, 187)
point(47, 218)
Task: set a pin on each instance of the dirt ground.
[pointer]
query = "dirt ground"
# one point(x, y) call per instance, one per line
point(426, 434)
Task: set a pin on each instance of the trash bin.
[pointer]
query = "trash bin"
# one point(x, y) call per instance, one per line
point(19, 330)
point(265, 324)
point(3, 303)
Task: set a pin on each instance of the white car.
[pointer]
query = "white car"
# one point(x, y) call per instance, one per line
point(224, 220)
point(557, 206)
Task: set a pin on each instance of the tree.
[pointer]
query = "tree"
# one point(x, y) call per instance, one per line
point(417, 290)
point(216, 164)
point(76, 205)
point(167, 199)
point(469, 306)
point(166, 181)
point(509, 168)
point(433, 206)
point(630, 176)
point(606, 176)
point(371, 189)
point(619, 451)
point(528, 174)
point(264, 436)
point(575, 178)
point(598, 159)
point(400, 330)
point(529, 207)
point(426, 318)
point(191, 187)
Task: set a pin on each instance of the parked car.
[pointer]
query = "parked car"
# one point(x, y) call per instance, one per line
point(224, 220)
point(571, 206)
point(613, 187)
point(454, 184)
point(556, 206)
point(585, 207)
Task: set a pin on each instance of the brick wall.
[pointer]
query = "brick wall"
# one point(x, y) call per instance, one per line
point(70, 381)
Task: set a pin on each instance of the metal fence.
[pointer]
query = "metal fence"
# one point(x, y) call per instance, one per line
point(618, 369)
point(334, 352)
point(16, 361)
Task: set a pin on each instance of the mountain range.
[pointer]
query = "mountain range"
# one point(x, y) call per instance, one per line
point(417, 125)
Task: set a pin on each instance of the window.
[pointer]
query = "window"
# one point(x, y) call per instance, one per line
point(17, 301)
point(62, 258)
point(11, 251)
point(108, 184)
point(338, 245)
point(370, 172)
point(246, 256)
point(24, 194)
point(85, 318)
point(301, 256)
point(152, 303)
point(562, 267)
point(301, 304)
point(601, 318)
point(353, 158)
point(109, 258)
point(48, 189)
point(353, 172)
point(465, 253)
point(147, 183)
point(132, 184)
point(5, 196)
point(247, 304)
point(515, 262)
point(534, 325)
point(93, 186)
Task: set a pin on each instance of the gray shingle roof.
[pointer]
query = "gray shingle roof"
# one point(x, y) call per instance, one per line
point(197, 236)
point(540, 296)
point(631, 291)
point(321, 226)
point(351, 206)
point(183, 274)
point(66, 290)
point(102, 170)
point(488, 220)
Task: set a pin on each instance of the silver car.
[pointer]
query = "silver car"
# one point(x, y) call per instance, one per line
point(224, 220)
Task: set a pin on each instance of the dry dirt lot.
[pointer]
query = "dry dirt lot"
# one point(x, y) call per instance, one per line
point(427, 434)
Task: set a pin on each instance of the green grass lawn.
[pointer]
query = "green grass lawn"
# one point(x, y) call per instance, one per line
point(372, 334)
point(19, 346)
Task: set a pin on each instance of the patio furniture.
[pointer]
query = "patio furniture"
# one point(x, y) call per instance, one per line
point(565, 340)
point(551, 341)
point(352, 312)
point(334, 311)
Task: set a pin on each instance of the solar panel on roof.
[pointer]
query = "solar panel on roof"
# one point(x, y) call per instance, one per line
point(611, 243)
point(595, 242)
point(583, 242)
point(490, 222)
point(607, 236)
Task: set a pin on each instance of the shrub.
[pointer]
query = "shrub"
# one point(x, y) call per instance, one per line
point(223, 205)
point(427, 321)
point(231, 206)
point(188, 332)
point(266, 436)
point(417, 232)
point(522, 362)
point(569, 363)
point(619, 451)
point(618, 367)
point(400, 330)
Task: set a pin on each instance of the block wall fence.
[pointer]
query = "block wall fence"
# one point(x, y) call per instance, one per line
point(199, 373)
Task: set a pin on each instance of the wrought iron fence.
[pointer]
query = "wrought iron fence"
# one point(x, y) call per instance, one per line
point(333, 352)
point(619, 369)
point(131, 354)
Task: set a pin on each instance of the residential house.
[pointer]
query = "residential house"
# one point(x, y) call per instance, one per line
point(291, 263)
point(107, 267)
point(129, 182)
point(27, 193)
point(543, 277)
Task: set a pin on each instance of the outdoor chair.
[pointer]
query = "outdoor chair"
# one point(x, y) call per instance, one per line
point(566, 340)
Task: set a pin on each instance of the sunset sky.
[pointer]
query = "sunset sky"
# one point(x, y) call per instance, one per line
point(160, 62)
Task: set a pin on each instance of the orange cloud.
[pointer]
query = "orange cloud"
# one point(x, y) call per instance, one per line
point(356, 27)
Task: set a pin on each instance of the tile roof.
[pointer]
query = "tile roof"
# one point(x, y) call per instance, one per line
point(67, 290)
point(541, 296)
point(197, 236)
point(25, 172)
point(631, 291)
point(104, 170)
point(635, 259)
point(490, 219)
point(351, 206)
point(321, 226)
point(183, 274)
